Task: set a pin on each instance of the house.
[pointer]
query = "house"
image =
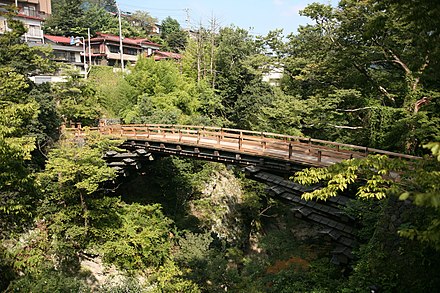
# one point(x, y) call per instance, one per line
point(32, 13)
point(105, 49)
point(161, 55)
point(272, 74)
point(64, 52)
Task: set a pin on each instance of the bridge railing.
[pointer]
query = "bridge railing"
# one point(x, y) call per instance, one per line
point(252, 142)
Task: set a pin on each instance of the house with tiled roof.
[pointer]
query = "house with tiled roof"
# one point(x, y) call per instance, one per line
point(161, 55)
point(63, 51)
point(105, 49)
point(32, 13)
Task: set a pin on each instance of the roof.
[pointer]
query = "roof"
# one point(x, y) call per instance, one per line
point(29, 17)
point(127, 41)
point(58, 39)
point(159, 55)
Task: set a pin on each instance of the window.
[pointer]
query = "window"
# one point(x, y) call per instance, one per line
point(34, 31)
point(113, 49)
point(96, 50)
point(64, 56)
point(71, 57)
point(29, 11)
point(130, 51)
point(59, 55)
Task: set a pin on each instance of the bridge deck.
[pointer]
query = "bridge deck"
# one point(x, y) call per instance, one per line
point(291, 149)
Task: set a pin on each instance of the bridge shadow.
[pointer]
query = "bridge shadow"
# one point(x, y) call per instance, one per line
point(163, 182)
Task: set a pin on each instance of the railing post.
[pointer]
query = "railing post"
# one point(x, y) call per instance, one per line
point(240, 141)
point(290, 150)
point(198, 136)
point(148, 132)
point(310, 144)
point(319, 155)
point(180, 135)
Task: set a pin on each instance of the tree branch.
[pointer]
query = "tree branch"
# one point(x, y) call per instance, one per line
point(346, 127)
point(420, 103)
point(420, 72)
point(354, 110)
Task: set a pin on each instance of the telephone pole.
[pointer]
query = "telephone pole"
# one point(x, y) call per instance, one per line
point(188, 20)
point(121, 48)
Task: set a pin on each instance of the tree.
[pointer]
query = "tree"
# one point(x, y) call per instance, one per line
point(200, 53)
point(233, 74)
point(379, 50)
point(72, 178)
point(143, 21)
point(74, 17)
point(76, 100)
point(66, 18)
point(108, 5)
point(19, 111)
point(163, 94)
point(174, 37)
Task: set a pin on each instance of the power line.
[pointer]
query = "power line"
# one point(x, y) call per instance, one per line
point(150, 8)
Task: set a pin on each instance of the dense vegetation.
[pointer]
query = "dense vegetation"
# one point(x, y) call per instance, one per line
point(366, 72)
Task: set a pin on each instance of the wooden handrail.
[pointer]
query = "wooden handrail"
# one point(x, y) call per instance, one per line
point(268, 144)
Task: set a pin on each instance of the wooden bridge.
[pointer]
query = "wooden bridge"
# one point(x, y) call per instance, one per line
point(269, 158)
point(243, 147)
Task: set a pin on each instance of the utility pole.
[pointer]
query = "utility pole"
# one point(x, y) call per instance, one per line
point(187, 19)
point(77, 41)
point(85, 57)
point(90, 49)
point(121, 48)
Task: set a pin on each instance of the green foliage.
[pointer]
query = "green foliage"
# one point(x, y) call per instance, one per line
point(388, 261)
point(73, 17)
point(143, 21)
point(193, 248)
point(376, 172)
point(174, 36)
point(50, 281)
point(370, 62)
point(381, 177)
point(283, 114)
point(113, 92)
point(19, 111)
point(73, 174)
point(108, 5)
point(17, 55)
point(142, 241)
point(163, 94)
point(30, 253)
point(127, 284)
point(77, 101)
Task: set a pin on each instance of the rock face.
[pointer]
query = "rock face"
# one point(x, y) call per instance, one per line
point(218, 207)
point(99, 273)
